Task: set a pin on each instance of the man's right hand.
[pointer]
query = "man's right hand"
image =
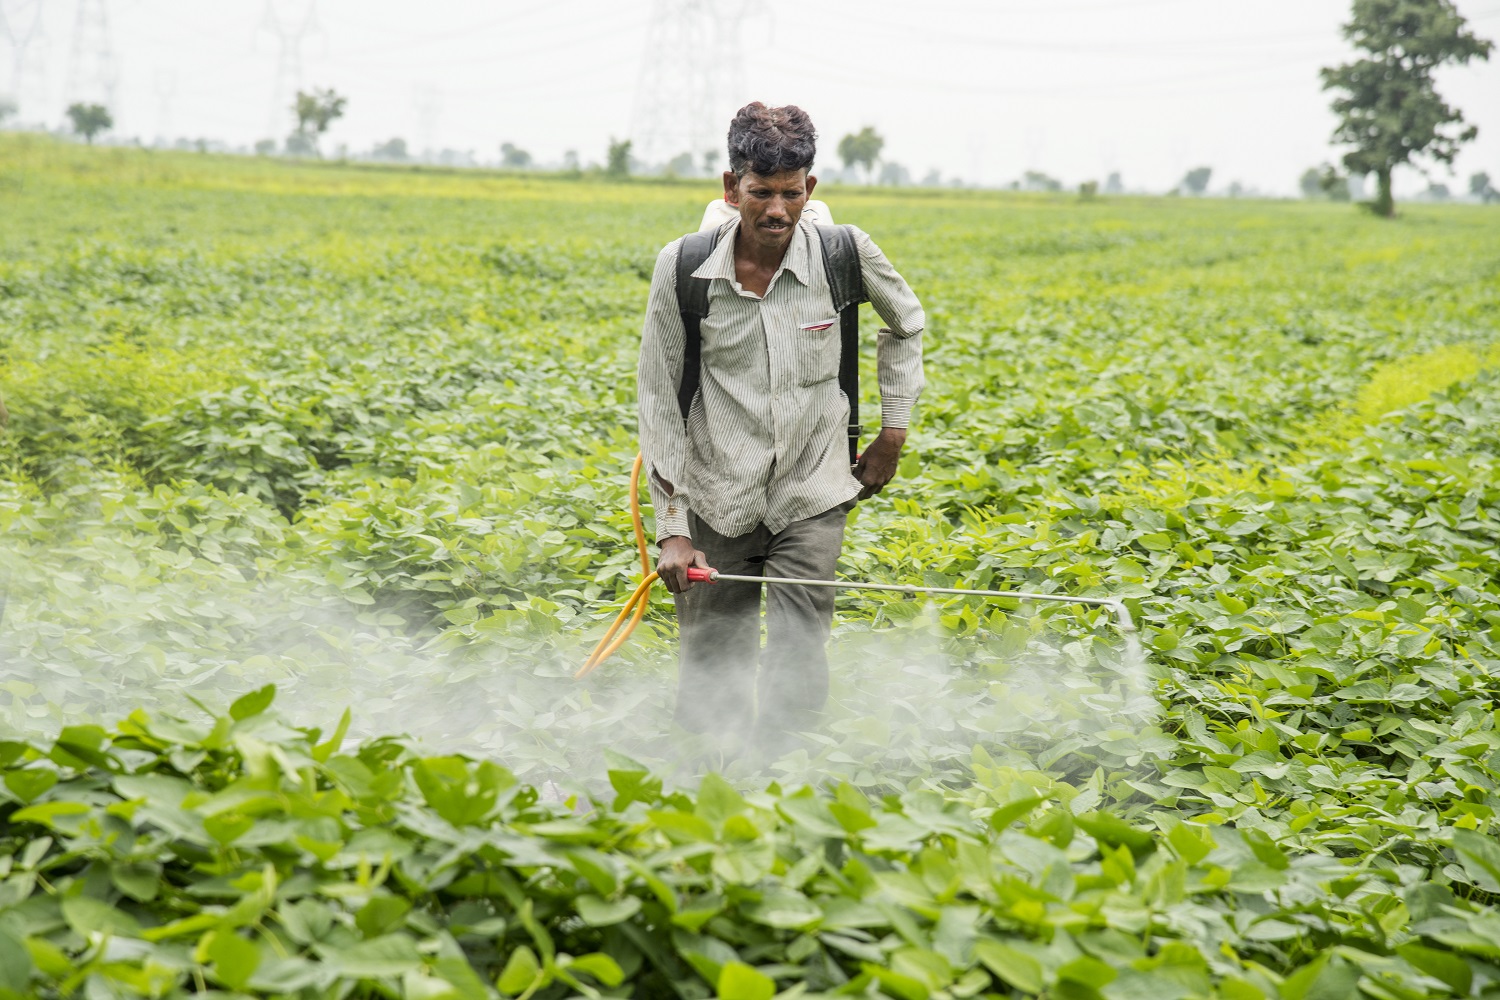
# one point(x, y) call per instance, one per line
point(677, 555)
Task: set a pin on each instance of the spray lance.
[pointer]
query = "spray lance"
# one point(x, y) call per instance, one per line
point(635, 607)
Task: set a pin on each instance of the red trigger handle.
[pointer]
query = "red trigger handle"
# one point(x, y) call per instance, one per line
point(702, 575)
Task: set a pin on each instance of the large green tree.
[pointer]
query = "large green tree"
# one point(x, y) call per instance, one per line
point(1389, 109)
point(90, 119)
point(315, 111)
point(862, 147)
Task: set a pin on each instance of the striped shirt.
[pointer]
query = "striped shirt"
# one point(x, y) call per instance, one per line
point(765, 439)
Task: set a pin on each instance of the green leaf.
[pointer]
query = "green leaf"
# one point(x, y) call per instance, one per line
point(1013, 810)
point(1087, 970)
point(786, 909)
point(738, 981)
point(28, 783)
point(78, 747)
point(1116, 832)
point(601, 967)
point(596, 870)
point(139, 880)
point(597, 912)
point(63, 816)
point(1442, 965)
point(1480, 857)
point(1324, 978)
point(521, 971)
point(323, 751)
point(381, 915)
point(15, 964)
point(378, 958)
point(1015, 968)
point(810, 814)
point(253, 703)
point(1266, 850)
point(717, 800)
point(88, 915)
point(234, 958)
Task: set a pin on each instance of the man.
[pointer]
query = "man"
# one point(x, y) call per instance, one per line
point(757, 480)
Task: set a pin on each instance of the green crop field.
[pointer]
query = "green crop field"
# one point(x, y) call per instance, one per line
point(287, 440)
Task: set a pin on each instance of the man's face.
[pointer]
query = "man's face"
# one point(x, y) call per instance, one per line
point(769, 205)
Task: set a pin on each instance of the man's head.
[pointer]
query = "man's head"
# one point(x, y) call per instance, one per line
point(770, 153)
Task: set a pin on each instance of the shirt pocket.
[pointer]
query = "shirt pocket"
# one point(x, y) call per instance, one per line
point(818, 349)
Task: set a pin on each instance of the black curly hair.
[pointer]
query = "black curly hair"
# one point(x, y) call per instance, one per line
point(771, 140)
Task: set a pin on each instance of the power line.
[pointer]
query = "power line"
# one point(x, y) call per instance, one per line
point(1114, 88)
point(410, 42)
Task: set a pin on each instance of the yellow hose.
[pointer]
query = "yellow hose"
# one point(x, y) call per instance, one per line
point(635, 607)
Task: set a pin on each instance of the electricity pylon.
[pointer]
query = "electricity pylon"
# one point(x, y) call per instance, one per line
point(93, 71)
point(427, 103)
point(21, 28)
point(692, 78)
point(291, 22)
point(165, 86)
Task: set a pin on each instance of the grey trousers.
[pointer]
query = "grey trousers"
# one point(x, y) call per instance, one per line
point(719, 687)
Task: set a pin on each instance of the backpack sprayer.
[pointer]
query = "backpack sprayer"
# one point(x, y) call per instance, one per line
point(635, 608)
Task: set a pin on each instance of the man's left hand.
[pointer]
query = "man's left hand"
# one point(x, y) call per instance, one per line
point(877, 465)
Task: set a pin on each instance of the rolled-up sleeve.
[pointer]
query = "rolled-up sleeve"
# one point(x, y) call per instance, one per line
point(659, 373)
point(899, 349)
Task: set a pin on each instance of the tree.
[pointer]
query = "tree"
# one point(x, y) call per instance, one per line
point(8, 107)
point(265, 147)
point(1113, 184)
point(392, 149)
point(680, 165)
point(1333, 185)
point(90, 119)
point(1088, 190)
point(862, 147)
point(1309, 182)
point(1036, 180)
point(1390, 110)
point(617, 161)
point(315, 111)
point(1479, 187)
point(1195, 181)
point(513, 157)
point(893, 174)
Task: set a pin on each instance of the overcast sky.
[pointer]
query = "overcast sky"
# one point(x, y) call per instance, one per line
point(981, 89)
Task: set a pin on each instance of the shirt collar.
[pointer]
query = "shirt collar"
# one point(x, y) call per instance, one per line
point(720, 263)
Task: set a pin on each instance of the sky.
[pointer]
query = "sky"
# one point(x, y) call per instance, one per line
point(982, 90)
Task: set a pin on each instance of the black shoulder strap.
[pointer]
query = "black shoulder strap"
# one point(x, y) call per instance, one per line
point(841, 263)
point(692, 303)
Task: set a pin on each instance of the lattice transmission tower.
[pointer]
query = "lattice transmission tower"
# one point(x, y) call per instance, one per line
point(692, 78)
point(291, 23)
point(165, 86)
point(93, 69)
point(427, 105)
point(22, 29)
